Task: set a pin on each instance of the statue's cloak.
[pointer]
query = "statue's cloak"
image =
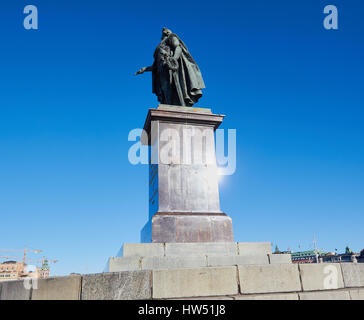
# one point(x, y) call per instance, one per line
point(189, 74)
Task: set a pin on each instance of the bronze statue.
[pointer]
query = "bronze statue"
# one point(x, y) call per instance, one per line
point(177, 79)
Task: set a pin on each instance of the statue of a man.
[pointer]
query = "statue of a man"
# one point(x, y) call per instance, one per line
point(177, 79)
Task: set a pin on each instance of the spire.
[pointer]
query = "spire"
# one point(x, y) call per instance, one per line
point(45, 265)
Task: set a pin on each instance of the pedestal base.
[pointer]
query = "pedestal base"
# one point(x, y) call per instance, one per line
point(188, 227)
point(156, 256)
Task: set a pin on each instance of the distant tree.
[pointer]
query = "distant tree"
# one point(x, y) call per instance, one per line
point(276, 250)
point(362, 253)
point(348, 250)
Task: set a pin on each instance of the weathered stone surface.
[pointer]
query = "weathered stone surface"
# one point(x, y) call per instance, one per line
point(215, 261)
point(151, 263)
point(180, 283)
point(128, 285)
point(356, 294)
point(325, 295)
point(143, 249)
point(187, 179)
point(60, 288)
point(254, 248)
point(198, 249)
point(186, 228)
point(279, 258)
point(14, 290)
point(277, 296)
point(353, 274)
point(321, 276)
point(221, 229)
point(124, 264)
point(269, 278)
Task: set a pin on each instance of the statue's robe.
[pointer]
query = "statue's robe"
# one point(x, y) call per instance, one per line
point(189, 74)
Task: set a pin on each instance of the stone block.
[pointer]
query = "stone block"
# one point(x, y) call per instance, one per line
point(356, 294)
point(201, 249)
point(143, 249)
point(127, 285)
point(179, 283)
point(321, 276)
point(152, 263)
point(124, 264)
point(276, 296)
point(269, 278)
point(14, 290)
point(353, 274)
point(60, 288)
point(254, 248)
point(279, 258)
point(325, 295)
point(215, 261)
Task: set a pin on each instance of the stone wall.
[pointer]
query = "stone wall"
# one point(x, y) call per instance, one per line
point(272, 281)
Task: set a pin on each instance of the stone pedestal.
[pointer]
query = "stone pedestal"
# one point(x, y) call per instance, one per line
point(184, 203)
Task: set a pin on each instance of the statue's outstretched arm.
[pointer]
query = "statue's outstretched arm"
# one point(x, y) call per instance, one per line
point(145, 69)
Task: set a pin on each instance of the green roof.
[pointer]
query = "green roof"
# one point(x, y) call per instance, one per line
point(45, 265)
point(307, 253)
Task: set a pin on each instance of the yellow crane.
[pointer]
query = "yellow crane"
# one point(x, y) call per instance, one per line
point(25, 251)
point(44, 259)
point(24, 260)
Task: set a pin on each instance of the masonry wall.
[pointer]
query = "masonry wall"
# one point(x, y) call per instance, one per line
point(343, 281)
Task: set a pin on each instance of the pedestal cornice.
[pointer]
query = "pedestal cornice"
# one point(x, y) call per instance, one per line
point(187, 115)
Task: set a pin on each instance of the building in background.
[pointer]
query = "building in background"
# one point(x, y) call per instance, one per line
point(15, 270)
point(361, 256)
point(309, 256)
point(318, 256)
point(340, 258)
point(11, 270)
point(44, 270)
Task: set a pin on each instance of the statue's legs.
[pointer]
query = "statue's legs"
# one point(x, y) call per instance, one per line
point(166, 87)
point(171, 90)
point(167, 93)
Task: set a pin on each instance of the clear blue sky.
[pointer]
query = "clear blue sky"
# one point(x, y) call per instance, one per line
point(68, 99)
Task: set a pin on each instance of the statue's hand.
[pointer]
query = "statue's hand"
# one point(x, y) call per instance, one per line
point(140, 71)
point(172, 63)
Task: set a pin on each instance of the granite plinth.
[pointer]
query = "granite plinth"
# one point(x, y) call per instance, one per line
point(184, 204)
point(188, 228)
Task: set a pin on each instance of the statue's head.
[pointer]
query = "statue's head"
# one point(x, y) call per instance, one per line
point(165, 32)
